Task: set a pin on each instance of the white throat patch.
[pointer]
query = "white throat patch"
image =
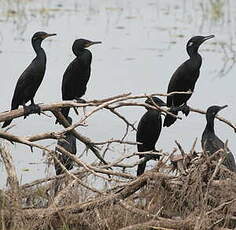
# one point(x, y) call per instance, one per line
point(190, 44)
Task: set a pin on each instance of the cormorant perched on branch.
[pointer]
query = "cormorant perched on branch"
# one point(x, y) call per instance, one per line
point(149, 129)
point(69, 144)
point(184, 79)
point(77, 74)
point(211, 143)
point(30, 80)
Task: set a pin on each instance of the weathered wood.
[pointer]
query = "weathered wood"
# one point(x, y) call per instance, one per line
point(12, 180)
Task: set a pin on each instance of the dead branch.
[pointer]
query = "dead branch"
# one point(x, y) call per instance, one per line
point(56, 106)
point(128, 104)
point(121, 117)
point(103, 103)
point(201, 197)
point(116, 141)
point(83, 139)
point(12, 179)
point(157, 185)
point(62, 194)
point(128, 190)
point(162, 224)
point(81, 163)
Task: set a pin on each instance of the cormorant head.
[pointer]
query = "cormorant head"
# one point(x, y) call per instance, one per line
point(40, 36)
point(80, 44)
point(194, 43)
point(156, 100)
point(69, 119)
point(213, 110)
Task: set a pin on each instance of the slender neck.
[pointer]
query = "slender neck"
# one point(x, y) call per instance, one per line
point(40, 59)
point(84, 56)
point(210, 124)
point(193, 51)
point(195, 58)
point(37, 47)
point(78, 52)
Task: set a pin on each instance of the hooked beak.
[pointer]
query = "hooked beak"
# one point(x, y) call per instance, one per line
point(207, 38)
point(222, 107)
point(49, 35)
point(92, 43)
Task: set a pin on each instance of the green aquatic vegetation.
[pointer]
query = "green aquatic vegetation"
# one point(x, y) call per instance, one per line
point(217, 9)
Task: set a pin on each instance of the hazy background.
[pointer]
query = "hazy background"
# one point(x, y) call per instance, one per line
point(143, 43)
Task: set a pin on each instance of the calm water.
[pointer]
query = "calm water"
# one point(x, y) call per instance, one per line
point(143, 43)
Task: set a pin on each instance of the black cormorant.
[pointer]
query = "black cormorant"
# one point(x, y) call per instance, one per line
point(77, 74)
point(149, 129)
point(69, 144)
point(184, 79)
point(211, 143)
point(30, 80)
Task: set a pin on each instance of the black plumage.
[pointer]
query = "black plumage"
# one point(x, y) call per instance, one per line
point(184, 79)
point(69, 144)
point(77, 74)
point(30, 80)
point(148, 132)
point(211, 143)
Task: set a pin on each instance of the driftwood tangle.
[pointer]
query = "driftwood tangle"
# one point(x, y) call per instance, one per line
point(183, 191)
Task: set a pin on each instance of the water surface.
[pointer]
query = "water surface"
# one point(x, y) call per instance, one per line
point(143, 43)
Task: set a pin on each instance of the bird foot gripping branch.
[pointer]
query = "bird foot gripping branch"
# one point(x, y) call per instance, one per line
point(31, 109)
point(185, 109)
point(80, 100)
